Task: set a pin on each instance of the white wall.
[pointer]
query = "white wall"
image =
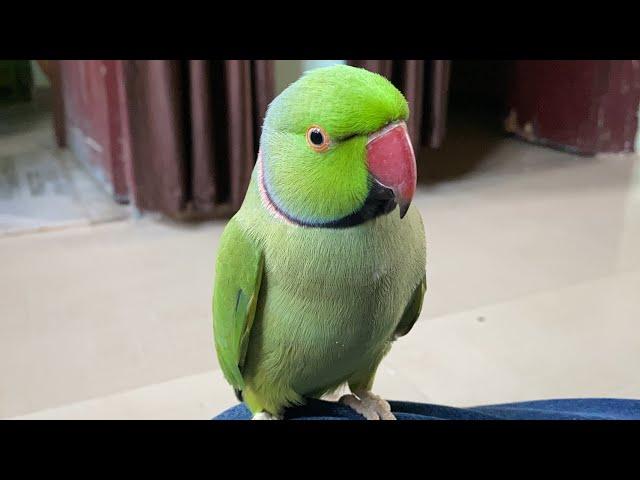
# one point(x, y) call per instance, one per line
point(40, 80)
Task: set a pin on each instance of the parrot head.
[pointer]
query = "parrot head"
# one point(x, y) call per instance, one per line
point(334, 150)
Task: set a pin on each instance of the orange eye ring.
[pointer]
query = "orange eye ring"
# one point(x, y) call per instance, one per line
point(318, 138)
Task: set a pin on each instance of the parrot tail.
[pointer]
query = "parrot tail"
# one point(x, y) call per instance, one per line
point(238, 393)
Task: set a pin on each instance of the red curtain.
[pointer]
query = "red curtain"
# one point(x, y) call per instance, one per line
point(193, 131)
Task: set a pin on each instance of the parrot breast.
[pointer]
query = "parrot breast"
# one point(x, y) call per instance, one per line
point(330, 300)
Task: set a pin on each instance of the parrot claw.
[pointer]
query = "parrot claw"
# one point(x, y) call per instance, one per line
point(264, 416)
point(370, 406)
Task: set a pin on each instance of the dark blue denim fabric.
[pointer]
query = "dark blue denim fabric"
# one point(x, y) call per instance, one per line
point(561, 409)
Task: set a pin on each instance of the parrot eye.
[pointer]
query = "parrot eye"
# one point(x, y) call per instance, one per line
point(317, 138)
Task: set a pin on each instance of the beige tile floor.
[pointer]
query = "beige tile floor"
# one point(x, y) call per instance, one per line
point(534, 292)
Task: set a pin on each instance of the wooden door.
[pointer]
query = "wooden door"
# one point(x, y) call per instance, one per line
point(586, 106)
point(93, 104)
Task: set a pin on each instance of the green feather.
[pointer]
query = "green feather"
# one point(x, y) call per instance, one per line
point(237, 285)
point(412, 312)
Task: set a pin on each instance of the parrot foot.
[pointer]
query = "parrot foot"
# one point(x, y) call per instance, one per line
point(264, 416)
point(370, 406)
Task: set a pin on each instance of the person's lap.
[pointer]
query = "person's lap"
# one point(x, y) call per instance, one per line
point(558, 409)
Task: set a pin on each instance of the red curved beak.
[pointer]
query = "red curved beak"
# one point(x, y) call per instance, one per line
point(391, 161)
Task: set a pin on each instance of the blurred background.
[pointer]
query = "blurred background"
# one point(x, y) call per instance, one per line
point(117, 178)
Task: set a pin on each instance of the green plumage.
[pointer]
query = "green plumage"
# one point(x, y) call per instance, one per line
point(300, 310)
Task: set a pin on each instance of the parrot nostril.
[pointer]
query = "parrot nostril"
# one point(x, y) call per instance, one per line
point(386, 128)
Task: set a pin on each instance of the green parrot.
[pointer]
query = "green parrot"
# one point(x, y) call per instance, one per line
point(317, 273)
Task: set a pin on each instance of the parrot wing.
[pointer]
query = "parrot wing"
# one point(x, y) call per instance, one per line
point(238, 276)
point(412, 311)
